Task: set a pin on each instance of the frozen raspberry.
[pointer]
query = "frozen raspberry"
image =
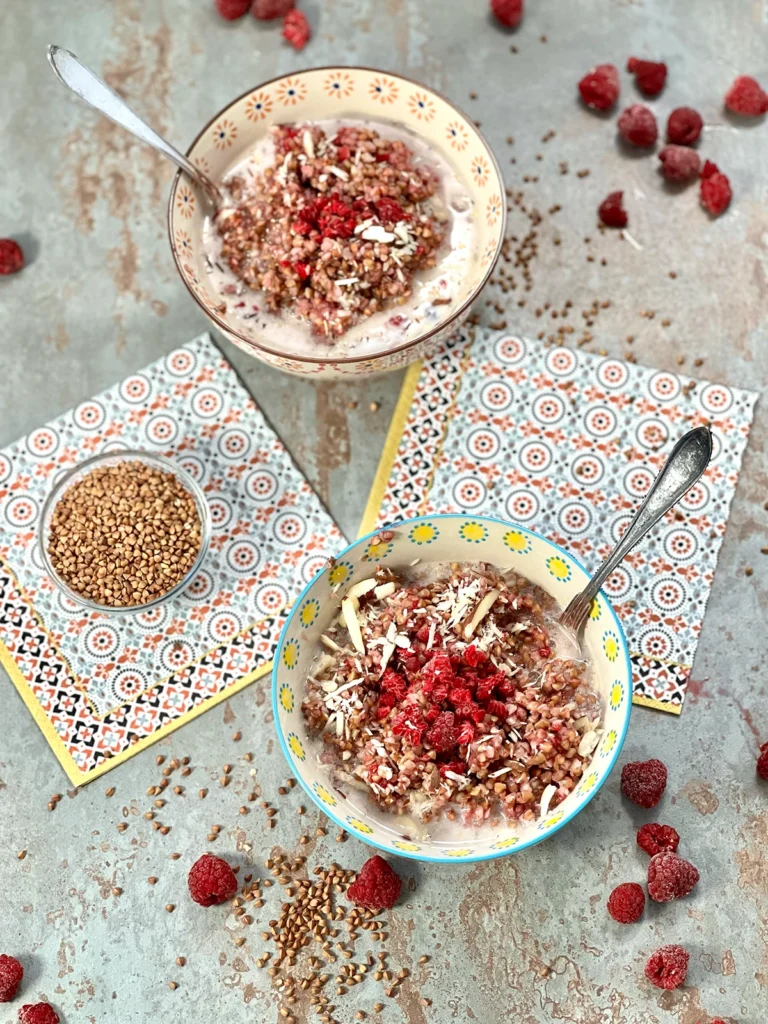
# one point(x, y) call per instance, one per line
point(473, 657)
point(626, 903)
point(655, 838)
point(11, 973)
point(650, 76)
point(715, 189)
point(684, 126)
point(442, 735)
point(746, 97)
point(211, 880)
point(296, 29)
point(11, 256)
point(667, 967)
point(637, 126)
point(410, 725)
point(466, 733)
point(762, 762)
point(644, 782)
point(231, 10)
point(377, 885)
point(268, 10)
point(438, 670)
point(392, 682)
point(611, 212)
point(497, 708)
point(508, 12)
point(670, 877)
point(679, 163)
point(38, 1013)
point(599, 88)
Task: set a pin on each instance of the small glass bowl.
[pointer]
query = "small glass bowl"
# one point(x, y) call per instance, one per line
point(111, 459)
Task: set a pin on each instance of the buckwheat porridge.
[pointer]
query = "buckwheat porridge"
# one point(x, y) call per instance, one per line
point(341, 235)
point(440, 693)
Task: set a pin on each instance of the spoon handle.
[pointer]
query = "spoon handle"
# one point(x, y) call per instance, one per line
point(686, 463)
point(89, 87)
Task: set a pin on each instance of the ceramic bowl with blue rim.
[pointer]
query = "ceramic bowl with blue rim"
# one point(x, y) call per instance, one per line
point(447, 538)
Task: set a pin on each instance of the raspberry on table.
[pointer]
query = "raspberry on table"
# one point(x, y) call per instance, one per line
point(211, 880)
point(715, 189)
point(667, 967)
point(746, 97)
point(762, 762)
point(611, 211)
point(377, 885)
point(296, 29)
point(655, 838)
point(644, 782)
point(11, 256)
point(508, 12)
point(626, 903)
point(680, 163)
point(268, 10)
point(38, 1013)
point(670, 877)
point(650, 75)
point(11, 973)
point(599, 88)
point(637, 125)
point(231, 10)
point(684, 126)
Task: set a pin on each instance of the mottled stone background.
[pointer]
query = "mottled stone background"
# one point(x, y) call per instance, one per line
point(526, 939)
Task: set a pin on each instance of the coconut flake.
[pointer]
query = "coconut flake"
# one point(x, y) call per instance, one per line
point(339, 173)
point(376, 233)
point(546, 800)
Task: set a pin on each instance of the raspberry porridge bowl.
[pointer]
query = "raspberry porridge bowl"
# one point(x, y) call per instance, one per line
point(424, 701)
point(362, 216)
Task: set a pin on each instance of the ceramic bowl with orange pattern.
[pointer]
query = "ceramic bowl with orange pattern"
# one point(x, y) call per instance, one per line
point(321, 94)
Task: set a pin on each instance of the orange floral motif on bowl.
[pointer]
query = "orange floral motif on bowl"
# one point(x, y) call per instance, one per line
point(291, 91)
point(383, 90)
point(224, 133)
point(480, 171)
point(185, 202)
point(339, 85)
point(258, 105)
point(493, 210)
point(457, 136)
point(421, 106)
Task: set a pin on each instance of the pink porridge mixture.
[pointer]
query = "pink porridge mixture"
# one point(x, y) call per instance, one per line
point(336, 230)
point(442, 695)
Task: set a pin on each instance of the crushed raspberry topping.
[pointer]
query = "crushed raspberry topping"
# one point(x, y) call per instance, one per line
point(667, 967)
point(38, 1013)
point(644, 782)
point(11, 256)
point(684, 126)
point(714, 189)
point(296, 29)
point(599, 88)
point(508, 12)
point(746, 97)
point(232, 9)
point(650, 76)
point(626, 903)
point(268, 10)
point(211, 880)
point(670, 877)
point(762, 762)
point(679, 163)
point(11, 973)
point(654, 838)
point(637, 126)
point(377, 885)
point(611, 211)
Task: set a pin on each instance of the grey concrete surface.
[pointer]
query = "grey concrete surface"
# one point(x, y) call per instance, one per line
point(524, 940)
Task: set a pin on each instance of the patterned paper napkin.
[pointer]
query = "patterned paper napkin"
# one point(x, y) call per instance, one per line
point(103, 687)
point(567, 444)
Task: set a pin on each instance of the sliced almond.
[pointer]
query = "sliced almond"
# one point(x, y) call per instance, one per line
point(480, 612)
point(588, 743)
point(330, 644)
point(349, 614)
point(361, 588)
point(384, 590)
point(546, 800)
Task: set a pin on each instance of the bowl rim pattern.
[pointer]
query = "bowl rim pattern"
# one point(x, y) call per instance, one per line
point(473, 857)
point(455, 317)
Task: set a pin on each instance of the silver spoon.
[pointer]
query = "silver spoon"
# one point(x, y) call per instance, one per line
point(686, 463)
point(89, 87)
